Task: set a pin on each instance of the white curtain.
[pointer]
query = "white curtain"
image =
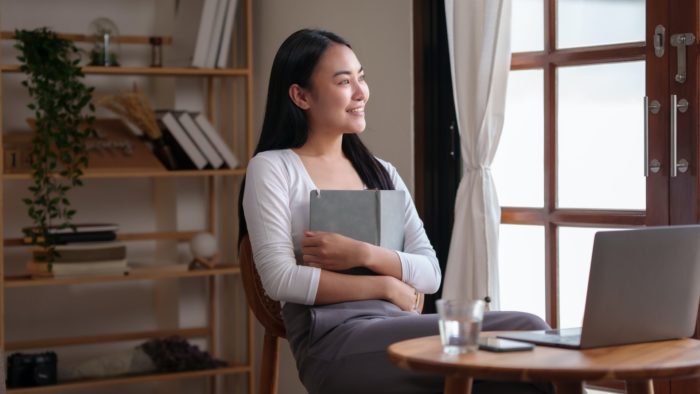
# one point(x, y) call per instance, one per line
point(479, 40)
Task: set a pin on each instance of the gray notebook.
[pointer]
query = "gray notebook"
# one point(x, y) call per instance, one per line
point(373, 216)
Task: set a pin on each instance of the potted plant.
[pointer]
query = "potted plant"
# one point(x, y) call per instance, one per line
point(63, 114)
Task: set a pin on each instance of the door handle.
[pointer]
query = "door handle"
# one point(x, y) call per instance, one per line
point(676, 106)
point(681, 41)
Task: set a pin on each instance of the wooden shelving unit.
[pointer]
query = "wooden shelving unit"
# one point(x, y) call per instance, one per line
point(213, 276)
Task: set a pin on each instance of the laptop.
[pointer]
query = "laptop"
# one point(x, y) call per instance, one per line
point(644, 285)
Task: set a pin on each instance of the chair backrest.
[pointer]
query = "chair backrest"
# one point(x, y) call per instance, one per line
point(266, 310)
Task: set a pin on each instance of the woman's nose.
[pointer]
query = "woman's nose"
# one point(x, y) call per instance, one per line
point(361, 91)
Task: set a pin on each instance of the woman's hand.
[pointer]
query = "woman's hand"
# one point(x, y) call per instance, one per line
point(401, 294)
point(331, 251)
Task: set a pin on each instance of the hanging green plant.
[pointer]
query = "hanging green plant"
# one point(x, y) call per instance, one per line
point(63, 113)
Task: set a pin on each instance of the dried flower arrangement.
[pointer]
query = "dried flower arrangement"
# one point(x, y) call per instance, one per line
point(135, 108)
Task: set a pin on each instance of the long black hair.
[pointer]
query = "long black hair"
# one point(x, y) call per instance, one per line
point(285, 125)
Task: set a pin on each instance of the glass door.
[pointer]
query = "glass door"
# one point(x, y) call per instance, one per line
point(570, 160)
point(602, 99)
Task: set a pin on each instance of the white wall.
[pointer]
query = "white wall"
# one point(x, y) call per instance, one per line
point(380, 32)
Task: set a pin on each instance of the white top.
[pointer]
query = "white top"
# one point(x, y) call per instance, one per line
point(276, 206)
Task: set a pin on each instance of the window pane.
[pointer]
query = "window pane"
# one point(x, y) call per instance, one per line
point(599, 136)
point(527, 26)
point(575, 250)
point(521, 269)
point(518, 167)
point(575, 247)
point(599, 22)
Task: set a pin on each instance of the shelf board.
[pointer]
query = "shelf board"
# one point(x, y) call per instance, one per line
point(25, 281)
point(94, 383)
point(50, 343)
point(162, 71)
point(166, 40)
point(143, 174)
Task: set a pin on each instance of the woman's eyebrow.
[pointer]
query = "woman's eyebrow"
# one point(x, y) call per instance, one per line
point(345, 72)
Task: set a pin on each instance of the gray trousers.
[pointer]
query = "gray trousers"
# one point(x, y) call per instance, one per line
point(341, 348)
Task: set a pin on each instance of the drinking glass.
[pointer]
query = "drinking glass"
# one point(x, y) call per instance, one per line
point(460, 324)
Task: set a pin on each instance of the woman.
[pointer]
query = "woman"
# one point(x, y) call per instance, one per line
point(338, 325)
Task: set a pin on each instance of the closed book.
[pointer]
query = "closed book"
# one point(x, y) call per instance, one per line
point(199, 139)
point(85, 252)
point(217, 142)
point(225, 48)
point(372, 216)
point(77, 228)
point(217, 29)
point(95, 268)
point(67, 238)
point(204, 33)
point(62, 270)
point(187, 155)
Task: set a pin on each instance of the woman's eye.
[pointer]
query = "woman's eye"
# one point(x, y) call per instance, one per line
point(361, 77)
point(344, 82)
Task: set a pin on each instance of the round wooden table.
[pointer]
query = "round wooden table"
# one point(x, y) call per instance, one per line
point(636, 364)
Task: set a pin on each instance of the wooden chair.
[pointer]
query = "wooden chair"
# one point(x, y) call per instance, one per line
point(269, 314)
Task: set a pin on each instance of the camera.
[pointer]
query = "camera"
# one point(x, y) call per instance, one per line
point(26, 370)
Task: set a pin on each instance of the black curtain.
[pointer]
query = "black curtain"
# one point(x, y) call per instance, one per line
point(438, 163)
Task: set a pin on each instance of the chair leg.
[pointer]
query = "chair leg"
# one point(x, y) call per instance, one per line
point(269, 365)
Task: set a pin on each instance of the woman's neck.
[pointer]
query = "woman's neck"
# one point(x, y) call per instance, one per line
point(318, 145)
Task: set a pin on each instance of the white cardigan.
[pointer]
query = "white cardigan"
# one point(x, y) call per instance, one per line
point(276, 206)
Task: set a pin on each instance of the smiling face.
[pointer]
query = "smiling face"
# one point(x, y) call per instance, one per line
point(335, 100)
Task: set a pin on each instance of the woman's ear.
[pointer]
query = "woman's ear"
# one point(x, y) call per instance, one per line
point(299, 96)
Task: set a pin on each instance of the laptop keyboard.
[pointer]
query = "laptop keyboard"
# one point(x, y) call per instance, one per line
point(568, 336)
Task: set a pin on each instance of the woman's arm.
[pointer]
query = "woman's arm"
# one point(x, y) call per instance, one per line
point(266, 204)
point(416, 265)
point(336, 287)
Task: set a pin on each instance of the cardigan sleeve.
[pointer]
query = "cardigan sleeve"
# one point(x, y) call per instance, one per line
point(419, 264)
point(266, 207)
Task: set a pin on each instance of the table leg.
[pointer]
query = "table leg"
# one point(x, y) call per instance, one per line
point(640, 387)
point(458, 385)
point(569, 387)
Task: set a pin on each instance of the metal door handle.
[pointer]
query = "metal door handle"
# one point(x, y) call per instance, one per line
point(654, 107)
point(681, 41)
point(676, 106)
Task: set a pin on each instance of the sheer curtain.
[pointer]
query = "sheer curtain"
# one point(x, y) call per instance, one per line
point(478, 33)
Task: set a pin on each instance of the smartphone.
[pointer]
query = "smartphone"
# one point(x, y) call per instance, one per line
point(493, 344)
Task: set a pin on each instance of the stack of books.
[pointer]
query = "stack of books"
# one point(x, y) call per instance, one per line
point(213, 42)
point(88, 250)
point(86, 232)
point(195, 143)
point(81, 259)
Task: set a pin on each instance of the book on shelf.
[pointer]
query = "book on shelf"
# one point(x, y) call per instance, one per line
point(67, 238)
point(187, 155)
point(215, 138)
point(86, 268)
point(199, 139)
point(78, 228)
point(84, 252)
point(204, 33)
point(225, 47)
point(217, 29)
point(82, 232)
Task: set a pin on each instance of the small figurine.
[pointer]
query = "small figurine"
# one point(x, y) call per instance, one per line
point(205, 250)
